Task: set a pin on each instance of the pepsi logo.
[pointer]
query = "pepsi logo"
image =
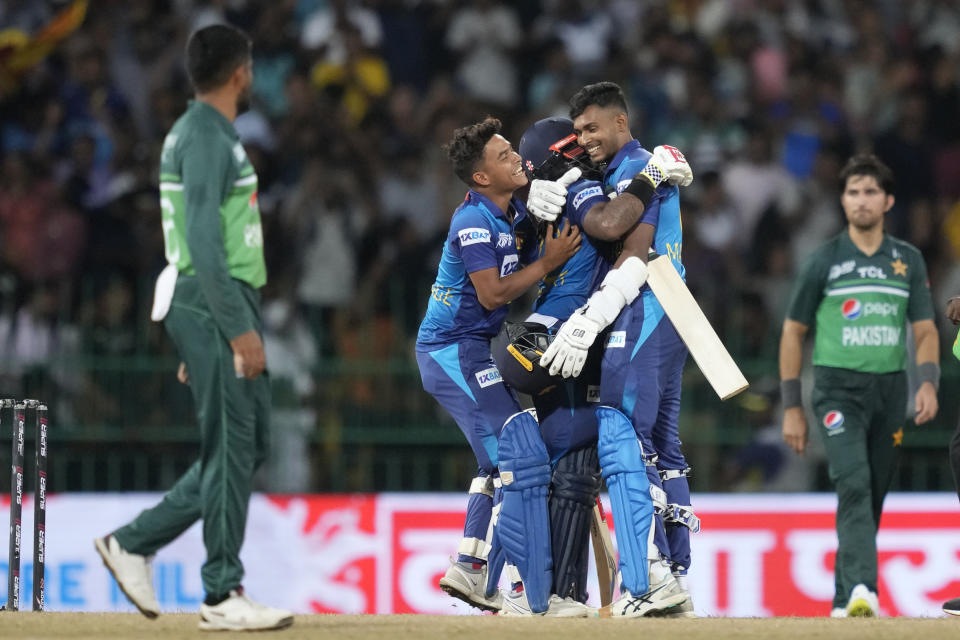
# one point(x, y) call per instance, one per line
point(833, 419)
point(852, 308)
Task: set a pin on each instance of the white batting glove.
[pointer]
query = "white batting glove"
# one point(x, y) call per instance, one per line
point(568, 352)
point(547, 198)
point(674, 164)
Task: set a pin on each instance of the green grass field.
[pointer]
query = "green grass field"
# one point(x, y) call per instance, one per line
point(97, 626)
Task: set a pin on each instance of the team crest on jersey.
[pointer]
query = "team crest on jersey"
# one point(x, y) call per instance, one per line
point(488, 377)
point(833, 422)
point(851, 309)
point(505, 240)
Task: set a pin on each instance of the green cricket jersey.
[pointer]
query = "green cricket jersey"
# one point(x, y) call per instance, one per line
point(861, 303)
point(210, 214)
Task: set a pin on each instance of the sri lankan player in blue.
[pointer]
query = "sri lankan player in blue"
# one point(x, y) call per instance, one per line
point(477, 277)
point(643, 360)
point(568, 423)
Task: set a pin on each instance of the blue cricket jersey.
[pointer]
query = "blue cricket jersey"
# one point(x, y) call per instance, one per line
point(480, 237)
point(567, 288)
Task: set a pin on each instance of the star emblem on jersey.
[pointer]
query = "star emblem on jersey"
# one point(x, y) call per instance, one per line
point(899, 267)
point(898, 437)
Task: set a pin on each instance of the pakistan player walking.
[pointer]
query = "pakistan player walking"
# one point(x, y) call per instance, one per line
point(214, 245)
point(860, 288)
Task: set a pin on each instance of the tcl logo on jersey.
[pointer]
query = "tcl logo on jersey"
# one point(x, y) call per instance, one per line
point(872, 272)
point(473, 235)
point(509, 265)
point(833, 421)
point(853, 309)
point(488, 377)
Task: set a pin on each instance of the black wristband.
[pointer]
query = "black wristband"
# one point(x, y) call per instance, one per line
point(790, 393)
point(642, 188)
point(929, 372)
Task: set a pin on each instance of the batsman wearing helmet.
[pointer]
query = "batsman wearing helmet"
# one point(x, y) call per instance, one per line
point(638, 444)
point(566, 407)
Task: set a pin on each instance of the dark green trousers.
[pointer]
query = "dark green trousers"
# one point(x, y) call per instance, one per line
point(233, 415)
point(860, 416)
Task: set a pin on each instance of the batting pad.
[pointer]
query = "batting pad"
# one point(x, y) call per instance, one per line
point(573, 491)
point(523, 528)
point(622, 465)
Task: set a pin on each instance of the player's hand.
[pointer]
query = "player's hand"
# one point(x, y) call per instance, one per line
point(926, 403)
point(182, 373)
point(249, 360)
point(568, 351)
point(559, 249)
point(547, 198)
point(953, 310)
point(674, 165)
point(795, 429)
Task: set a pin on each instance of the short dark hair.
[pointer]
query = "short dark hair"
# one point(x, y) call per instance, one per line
point(603, 94)
point(214, 53)
point(867, 164)
point(465, 148)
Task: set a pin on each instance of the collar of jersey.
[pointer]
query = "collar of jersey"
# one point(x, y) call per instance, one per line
point(212, 113)
point(625, 150)
point(483, 201)
point(883, 249)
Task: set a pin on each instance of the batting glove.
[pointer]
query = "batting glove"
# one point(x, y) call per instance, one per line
point(547, 198)
point(674, 165)
point(568, 351)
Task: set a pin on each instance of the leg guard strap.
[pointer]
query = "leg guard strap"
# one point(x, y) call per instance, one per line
point(682, 514)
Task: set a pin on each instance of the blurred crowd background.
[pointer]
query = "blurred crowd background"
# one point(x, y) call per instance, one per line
point(352, 101)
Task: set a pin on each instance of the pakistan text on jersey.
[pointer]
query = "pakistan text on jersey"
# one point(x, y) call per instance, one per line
point(871, 336)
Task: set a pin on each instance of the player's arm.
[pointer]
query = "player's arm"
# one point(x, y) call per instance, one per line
point(494, 291)
point(791, 360)
point(207, 170)
point(927, 342)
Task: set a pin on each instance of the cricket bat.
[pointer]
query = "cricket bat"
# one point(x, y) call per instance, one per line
point(695, 330)
point(603, 554)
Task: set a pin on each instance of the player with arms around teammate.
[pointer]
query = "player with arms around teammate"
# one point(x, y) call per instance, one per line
point(565, 408)
point(477, 277)
point(213, 243)
point(859, 289)
point(639, 445)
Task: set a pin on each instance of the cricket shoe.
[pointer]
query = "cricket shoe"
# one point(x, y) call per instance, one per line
point(133, 574)
point(952, 607)
point(659, 598)
point(684, 610)
point(465, 581)
point(239, 613)
point(515, 604)
point(838, 612)
point(863, 603)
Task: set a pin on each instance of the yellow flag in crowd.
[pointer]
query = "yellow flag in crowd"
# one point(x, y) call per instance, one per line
point(20, 51)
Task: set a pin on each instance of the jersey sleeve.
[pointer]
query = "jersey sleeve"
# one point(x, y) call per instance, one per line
point(920, 304)
point(582, 196)
point(207, 170)
point(473, 240)
point(807, 292)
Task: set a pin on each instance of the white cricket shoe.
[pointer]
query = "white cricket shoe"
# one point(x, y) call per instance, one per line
point(684, 610)
point(515, 604)
point(863, 603)
point(133, 574)
point(838, 612)
point(465, 583)
point(660, 597)
point(240, 613)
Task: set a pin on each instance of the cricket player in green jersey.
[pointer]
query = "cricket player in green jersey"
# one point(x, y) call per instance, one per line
point(210, 303)
point(952, 606)
point(860, 289)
